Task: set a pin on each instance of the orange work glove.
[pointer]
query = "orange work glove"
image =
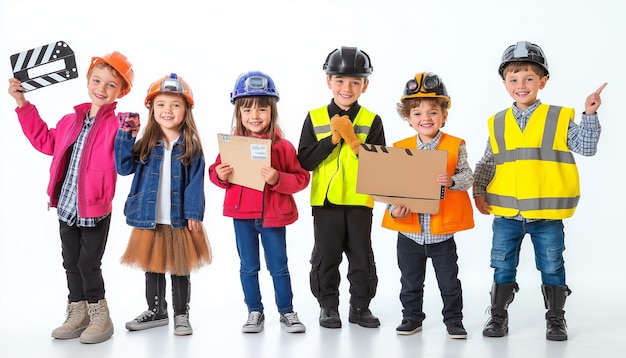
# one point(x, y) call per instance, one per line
point(343, 125)
point(336, 136)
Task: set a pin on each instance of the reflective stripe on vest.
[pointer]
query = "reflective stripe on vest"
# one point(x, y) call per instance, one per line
point(455, 210)
point(536, 174)
point(335, 178)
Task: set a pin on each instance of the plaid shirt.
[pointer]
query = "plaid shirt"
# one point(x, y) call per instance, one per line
point(463, 179)
point(68, 200)
point(581, 139)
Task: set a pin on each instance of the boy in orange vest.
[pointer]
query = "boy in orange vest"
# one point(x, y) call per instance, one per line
point(424, 105)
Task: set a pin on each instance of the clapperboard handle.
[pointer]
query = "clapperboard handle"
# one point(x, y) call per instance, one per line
point(44, 55)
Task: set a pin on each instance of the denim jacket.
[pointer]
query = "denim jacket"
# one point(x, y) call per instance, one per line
point(187, 184)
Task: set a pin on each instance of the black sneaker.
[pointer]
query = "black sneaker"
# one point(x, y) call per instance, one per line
point(363, 317)
point(408, 327)
point(147, 319)
point(456, 330)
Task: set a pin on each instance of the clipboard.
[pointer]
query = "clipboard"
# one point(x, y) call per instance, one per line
point(247, 155)
point(401, 176)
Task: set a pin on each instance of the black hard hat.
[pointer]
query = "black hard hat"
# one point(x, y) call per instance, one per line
point(523, 51)
point(349, 61)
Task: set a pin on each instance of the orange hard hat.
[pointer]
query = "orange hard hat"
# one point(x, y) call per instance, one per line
point(173, 84)
point(120, 63)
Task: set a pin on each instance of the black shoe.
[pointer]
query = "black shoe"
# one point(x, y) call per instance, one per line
point(329, 318)
point(556, 328)
point(456, 330)
point(408, 327)
point(496, 326)
point(363, 317)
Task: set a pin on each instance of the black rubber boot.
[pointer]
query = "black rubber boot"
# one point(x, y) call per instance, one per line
point(554, 300)
point(501, 296)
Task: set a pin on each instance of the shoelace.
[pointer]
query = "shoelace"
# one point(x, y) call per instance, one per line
point(181, 320)
point(94, 312)
point(559, 322)
point(73, 312)
point(291, 318)
point(144, 315)
point(253, 318)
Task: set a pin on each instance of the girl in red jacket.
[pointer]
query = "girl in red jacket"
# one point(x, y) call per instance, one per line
point(262, 214)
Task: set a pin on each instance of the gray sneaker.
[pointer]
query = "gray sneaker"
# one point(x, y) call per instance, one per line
point(290, 323)
point(182, 327)
point(147, 319)
point(255, 322)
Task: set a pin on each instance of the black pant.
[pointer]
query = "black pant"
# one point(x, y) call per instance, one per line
point(155, 293)
point(82, 249)
point(338, 230)
point(412, 259)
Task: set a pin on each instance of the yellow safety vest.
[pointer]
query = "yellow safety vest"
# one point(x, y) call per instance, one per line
point(455, 210)
point(335, 178)
point(536, 174)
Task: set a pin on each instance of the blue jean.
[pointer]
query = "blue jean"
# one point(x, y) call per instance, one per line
point(412, 259)
point(548, 240)
point(273, 239)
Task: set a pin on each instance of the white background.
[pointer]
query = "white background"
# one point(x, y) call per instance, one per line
point(210, 43)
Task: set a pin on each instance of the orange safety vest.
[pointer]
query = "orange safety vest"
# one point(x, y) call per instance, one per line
point(455, 210)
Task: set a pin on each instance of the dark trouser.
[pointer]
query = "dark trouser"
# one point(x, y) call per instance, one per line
point(82, 250)
point(339, 230)
point(155, 293)
point(412, 263)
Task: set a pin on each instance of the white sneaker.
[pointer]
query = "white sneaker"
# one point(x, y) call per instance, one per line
point(290, 323)
point(255, 322)
point(182, 327)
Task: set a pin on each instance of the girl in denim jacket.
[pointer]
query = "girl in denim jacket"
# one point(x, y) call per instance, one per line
point(262, 213)
point(166, 201)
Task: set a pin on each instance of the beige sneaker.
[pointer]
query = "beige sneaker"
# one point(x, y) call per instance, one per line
point(100, 325)
point(76, 320)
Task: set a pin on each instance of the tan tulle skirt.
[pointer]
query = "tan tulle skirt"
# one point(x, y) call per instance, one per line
point(168, 250)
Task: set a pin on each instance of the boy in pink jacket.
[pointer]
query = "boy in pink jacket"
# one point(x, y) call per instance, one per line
point(81, 187)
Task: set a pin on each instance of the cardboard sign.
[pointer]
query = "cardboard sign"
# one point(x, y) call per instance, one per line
point(41, 66)
point(247, 155)
point(400, 176)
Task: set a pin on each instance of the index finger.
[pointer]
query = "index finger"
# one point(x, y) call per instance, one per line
point(601, 88)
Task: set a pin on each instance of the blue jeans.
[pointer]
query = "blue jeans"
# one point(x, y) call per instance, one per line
point(247, 232)
point(412, 259)
point(548, 241)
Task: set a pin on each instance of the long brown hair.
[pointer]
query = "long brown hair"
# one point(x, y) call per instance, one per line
point(273, 130)
point(153, 133)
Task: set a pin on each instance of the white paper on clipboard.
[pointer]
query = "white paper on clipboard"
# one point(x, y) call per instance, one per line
point(246, 155)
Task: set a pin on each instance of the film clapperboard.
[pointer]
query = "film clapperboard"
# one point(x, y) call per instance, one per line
point(47, 57)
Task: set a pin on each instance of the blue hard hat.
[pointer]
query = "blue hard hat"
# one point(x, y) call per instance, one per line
point(253, 83)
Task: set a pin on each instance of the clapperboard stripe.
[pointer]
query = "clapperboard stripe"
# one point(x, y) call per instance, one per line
point(38, 56)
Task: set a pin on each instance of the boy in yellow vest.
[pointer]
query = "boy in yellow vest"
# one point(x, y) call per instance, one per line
point(424, 105)
point(528, 179)
point(329, 145)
